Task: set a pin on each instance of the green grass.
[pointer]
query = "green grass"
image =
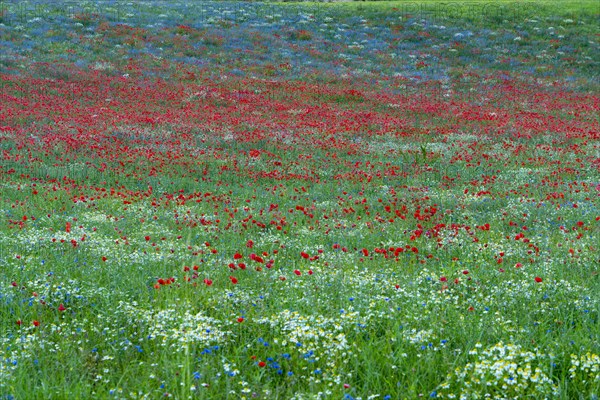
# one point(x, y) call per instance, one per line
point(414, 236)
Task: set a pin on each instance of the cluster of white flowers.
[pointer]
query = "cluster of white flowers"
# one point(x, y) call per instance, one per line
point(175, 328)
point(503, 371)
point(585, 368)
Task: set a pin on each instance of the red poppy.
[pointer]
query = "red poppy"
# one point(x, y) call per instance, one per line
point(208, 282)
point(262, 364)
point(233, 280)
point(297, 272)
point(61, 308)
point(538, 279)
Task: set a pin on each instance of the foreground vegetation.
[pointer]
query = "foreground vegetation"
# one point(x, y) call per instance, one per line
point(242, 200)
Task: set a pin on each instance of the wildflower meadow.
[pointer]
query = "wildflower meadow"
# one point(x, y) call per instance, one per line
point(346, 200)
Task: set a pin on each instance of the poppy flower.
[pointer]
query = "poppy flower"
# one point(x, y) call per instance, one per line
point(61, 308)
point(233, 279)
point(538, 279)
point(297, 272)
point(208, 282)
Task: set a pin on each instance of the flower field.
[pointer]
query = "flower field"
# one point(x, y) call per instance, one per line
point(239, 200)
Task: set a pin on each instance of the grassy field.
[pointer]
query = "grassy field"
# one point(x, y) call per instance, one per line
point(359, 200)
